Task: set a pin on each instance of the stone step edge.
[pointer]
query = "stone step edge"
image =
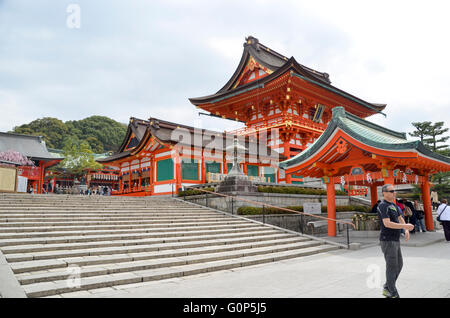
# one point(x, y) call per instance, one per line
point(59, 287)
point(146, 248)
point(30, 235)
point(39, 265)
point(133, 266)
point(164, 238)
point(9, 243)
point(97, 227)
point(96, 223)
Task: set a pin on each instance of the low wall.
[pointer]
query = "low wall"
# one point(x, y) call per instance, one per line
point(275, 199)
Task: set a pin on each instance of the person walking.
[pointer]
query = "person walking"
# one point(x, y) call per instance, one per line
point(391, 223)
point(443, 212)
point(434, 199)
point(419, 217)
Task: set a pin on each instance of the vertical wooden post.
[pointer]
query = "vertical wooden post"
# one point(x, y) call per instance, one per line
point(178, 173)
point(288, 178)
point(331, 207)
point(427, 204)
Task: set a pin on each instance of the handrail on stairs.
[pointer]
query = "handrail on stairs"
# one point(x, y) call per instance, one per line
point(280, 208)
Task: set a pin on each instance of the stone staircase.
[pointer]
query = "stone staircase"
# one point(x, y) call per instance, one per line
point(57, 244)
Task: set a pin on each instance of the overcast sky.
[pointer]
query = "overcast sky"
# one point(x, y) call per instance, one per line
point(146, 58)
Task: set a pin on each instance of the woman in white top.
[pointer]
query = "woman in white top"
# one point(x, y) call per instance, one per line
point(444, 212)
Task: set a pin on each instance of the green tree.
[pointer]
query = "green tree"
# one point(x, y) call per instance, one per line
point(435, 132)
point(441, 180)
point(422, 130)
point(78, 157)
point(53, 131)
point(107, 131)
point(95, 144)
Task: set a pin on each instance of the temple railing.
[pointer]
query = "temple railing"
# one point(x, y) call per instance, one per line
point(218, 177)
point(306, 123)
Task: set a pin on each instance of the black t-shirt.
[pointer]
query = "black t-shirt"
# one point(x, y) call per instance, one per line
point(388, 210)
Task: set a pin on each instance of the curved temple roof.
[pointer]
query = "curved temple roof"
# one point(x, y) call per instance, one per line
point(367, 133)
point(278, 64)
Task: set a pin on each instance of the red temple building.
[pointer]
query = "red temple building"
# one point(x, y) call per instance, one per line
point(157, 157)
point(270, 91)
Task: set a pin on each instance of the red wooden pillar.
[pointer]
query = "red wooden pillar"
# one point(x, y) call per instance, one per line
point(178, 174)
point(427, 204)
point(286, 147)
point(224, 160)
point(373, 194)
point(288, 178)
point(129, 178)
point(331, 207)
point(203, 169)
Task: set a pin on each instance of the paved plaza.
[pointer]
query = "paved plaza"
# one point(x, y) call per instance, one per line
point(341, 273)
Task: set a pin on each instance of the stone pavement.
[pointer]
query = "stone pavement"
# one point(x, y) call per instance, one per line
point(341, 273)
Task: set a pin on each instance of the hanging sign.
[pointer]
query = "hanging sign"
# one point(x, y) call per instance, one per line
point(369, 177)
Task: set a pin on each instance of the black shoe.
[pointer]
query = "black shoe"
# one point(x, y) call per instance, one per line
point(388, 294)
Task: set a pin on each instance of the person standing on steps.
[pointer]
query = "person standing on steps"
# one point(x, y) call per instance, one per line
point(444, 212)
point(391, 224)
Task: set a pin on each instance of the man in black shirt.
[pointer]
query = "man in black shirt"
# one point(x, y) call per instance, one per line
point(391, 224)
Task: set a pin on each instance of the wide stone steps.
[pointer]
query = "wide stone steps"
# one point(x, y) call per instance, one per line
point(109, 222)
point(158, 233)
point(110, 241)
point(155, 245)
point(193, 268)
point(155, 238)
point(43, 265)
point(131, 266)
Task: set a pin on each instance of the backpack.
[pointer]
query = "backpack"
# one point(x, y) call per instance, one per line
point(408, 211)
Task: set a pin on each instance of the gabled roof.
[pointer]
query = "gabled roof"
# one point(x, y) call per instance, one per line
point(367, 133)
point(136, 129)
point(32, 147)
point(163, 131)
point(278, 65)
point(267, 58)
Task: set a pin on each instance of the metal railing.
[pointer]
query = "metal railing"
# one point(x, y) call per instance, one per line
point(264, 205)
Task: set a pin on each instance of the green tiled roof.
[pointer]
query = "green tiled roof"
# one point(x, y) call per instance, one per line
point(365, 132)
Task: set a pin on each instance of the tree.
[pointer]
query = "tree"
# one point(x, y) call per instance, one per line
point(107, 131)
point(422, 130)
point(51, 129)
point(102, 133)
point(435, 132)
point(78, 157)
point(441, 180)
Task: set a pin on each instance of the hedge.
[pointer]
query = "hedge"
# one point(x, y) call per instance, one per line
point(248, 210)
point(296, 190)
point(194, 192)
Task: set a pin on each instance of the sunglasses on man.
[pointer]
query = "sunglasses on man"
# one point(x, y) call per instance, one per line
point(391, 191)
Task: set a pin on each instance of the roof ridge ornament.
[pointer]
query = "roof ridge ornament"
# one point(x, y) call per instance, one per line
point(338, 111)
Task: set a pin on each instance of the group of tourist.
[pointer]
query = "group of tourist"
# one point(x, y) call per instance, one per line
point(97, 190)
point(412, 212)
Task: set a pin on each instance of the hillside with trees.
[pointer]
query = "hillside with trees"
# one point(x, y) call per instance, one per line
point(101, 133)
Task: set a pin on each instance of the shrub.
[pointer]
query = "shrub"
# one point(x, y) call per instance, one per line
point(296, 190)
point(194, 192)
point(247, 210)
